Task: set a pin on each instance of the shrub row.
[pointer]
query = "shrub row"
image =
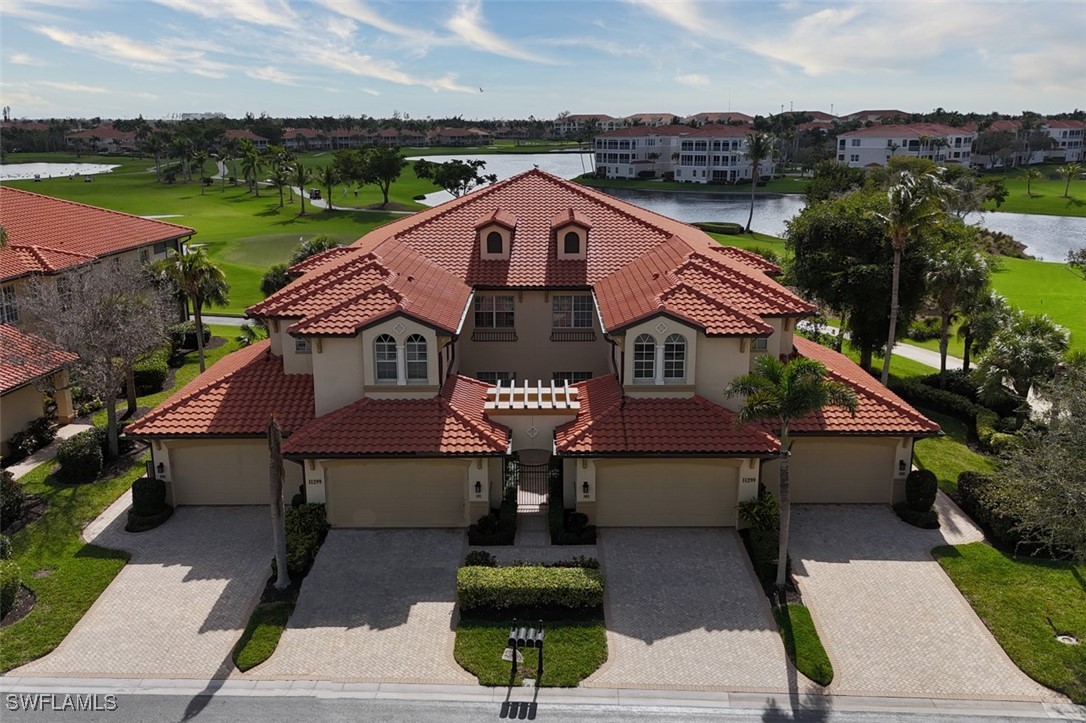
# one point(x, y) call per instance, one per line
point(918, 393)
point(83, 456)
point(509, 587)
point(151, 371)
point(987, 503)
point(724, 227)
point(567, 526)
point(498, 527)
point(957, 381)
point(307, 526)
point(482, 558)
point(37, 434)
point(10, 581)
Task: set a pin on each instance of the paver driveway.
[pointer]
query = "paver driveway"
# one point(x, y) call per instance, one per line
point(892, 622)
point(376, 607)
point(684, 610)
point(179, 605)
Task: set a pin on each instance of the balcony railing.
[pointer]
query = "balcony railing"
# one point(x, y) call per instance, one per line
point(494, 335)
point(573, 335)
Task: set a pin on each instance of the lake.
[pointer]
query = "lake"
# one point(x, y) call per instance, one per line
point(26, 171)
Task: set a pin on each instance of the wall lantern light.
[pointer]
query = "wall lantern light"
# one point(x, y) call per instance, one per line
point(478, 488)
point(161, 468)
point(901, 466)
point(584, 488)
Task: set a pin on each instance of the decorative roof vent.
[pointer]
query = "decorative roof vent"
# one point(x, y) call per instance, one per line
point(495, 233)
point(571, 229)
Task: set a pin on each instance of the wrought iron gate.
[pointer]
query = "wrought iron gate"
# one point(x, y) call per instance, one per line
point(531, 480)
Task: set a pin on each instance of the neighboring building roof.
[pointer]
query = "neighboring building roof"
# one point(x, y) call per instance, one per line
point(609, 423)
point(719, 117)
point(1002, 125)
point(451, 423)
point(234, 398)
point(639, 131)
point(25, 357)
point(243, 133)
point(880, 411)
point(46, 234)
point(911, 130)
point(651, 117)
point(1069, 124)
point(586, 117)
point(102, 133)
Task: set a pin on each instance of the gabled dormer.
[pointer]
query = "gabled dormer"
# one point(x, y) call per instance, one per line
point(570, 230)
point(495, 234)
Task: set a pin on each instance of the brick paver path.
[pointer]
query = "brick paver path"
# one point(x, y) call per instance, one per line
point(684, 611)
point(376, 607)
point(892, 622)
point(178, 606)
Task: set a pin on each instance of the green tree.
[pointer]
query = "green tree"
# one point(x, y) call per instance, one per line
point(311, 247)
point(200, 281)
point(759, 148)
point(1031, 175)
point(956, 274)
point(983, 315)
point(455, 176)
point(279, 178)
point(251, 165)
point(381, 167)
point(780, 393)
point(1022, 354)
point(301, 177)
point(911, 213)
point(199, 159)
point(328, 177)
point(274, 279)
point(831, 179)
point(1069, 171)
point(1076, 259)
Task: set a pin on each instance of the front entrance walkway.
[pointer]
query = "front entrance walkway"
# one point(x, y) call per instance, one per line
point(684, 610)
point(179, 605)
point(892, 622)
point(376, 607)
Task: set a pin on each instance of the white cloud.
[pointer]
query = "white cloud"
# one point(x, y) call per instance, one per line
point(17, 58)
point(684, 13)
point(276, 13)
point(362, 65)
point(72, 87)
point(469, 25)
point(1057, 68)
point(162, 57)
point(47, 10)
point(272, 75)
point(694, 80)
point(363, 13)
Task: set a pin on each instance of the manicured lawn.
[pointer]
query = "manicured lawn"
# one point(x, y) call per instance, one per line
point(1025, 602)
point(71, 573)
point(1047, 195)
point(1040, 287)
point(802, 643)
point(262, 634)
point(573, 650)
point(950, 455)
point(788, 184)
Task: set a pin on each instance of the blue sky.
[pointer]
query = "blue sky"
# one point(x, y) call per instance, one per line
point(333, 57)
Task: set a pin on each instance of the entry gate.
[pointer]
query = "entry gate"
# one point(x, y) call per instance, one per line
point(531, 480)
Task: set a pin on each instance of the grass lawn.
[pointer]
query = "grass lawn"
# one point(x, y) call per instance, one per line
point(72, 574)
point(1047, 195)
point(788, 184)
point(262, 634)
point(1040, 287)
point(950, 455)
point(802, 643)
point(573, 650)
point(1025, 602)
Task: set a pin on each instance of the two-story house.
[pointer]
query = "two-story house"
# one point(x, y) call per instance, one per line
point(48, 238)
point(533, 314)
point(716, 154)
point(638, 151)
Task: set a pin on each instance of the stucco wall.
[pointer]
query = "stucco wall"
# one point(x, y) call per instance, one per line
point(719, 362)
point(838, 470)
point(533, 356)
point(337, 374)
point(649, 326)
point(223, 472)
point(17, 409)
point(665, 493)
point(409, 327)
point(397, 492)
point(520, 425)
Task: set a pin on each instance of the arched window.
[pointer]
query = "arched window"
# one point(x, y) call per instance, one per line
point(644, 358)
point(384, 348)
point(416, 358)
point(494, 243)
point(675, 357)
point(572, 242)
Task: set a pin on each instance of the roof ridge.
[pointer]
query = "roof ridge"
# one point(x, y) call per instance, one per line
point(383, 286)
point(185, 229)
point(465, 419)
point(596, 419)
point(450, 206)
point(304, 286)
point(762, 288)
point(753, 319)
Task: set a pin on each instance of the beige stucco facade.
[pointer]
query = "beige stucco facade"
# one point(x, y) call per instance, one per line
point(863, 470)
point(401, 492)
point(220, 471)
point(17, 409)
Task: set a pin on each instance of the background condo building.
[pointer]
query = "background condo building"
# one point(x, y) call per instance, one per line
point(876, 145)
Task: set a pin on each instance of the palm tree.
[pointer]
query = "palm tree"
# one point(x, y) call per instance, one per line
point(984, 314)
point(911, 212)
point(1069, 171)
point(274, 279)
point(328, 177)
point(782, 392)
point(200, 160)
point(155, 146)
point(279, 178)
point(956, 274)
point(181, 149)
point(275, 480)
point(251, 165)
point(302, 177)
point(1024, 353)
point(198, 279)
point(759, 148)
point(1031, 175)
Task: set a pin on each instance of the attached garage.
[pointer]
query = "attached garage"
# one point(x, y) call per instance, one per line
point(397, 493)
point(839, 470)
point(666, 492)
point(224, 472)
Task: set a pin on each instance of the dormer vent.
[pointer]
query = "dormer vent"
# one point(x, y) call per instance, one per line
point(571, 228)
point(495, 233)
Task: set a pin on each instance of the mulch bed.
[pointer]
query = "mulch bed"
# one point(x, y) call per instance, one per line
point(24, 603)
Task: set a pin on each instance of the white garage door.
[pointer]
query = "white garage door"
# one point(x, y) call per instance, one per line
point(397, 493)
point(666, 493)
point(225, 472)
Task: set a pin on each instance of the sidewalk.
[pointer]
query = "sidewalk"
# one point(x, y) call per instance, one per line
point(49, 451)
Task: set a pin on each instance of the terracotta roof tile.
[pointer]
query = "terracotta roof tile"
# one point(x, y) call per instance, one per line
point(880, 411)
point(449, 424)
point(235, 397)
point(49, 234)
point(499, 216)
point(607, 423)
point(750, 259)
point(25, 357)
point(319, 259)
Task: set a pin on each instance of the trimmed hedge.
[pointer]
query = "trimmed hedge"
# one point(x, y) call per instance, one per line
point(80, 457)
point(10, 581)
point(509, 587)
point(307, 526)
point(926, 519)
point(985, 501)
point(148, 495)
point(567, 526)
point(920, 488)
point(957, 381)
point(12, 499)
point(918, 393)
point(993, 441)
point(183, 336)
point(151, 372)
point(498, 527)
point(724, 227)
point(480, 558)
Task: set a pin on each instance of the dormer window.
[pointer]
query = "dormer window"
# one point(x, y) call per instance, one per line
point(495, 232)
point(494, 243)
point(571, 229)
point(571, 243)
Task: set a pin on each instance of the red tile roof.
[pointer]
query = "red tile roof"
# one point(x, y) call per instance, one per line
point(608, 423)
point(880, 411)
point(912, 130)
point(449, 424)
point(25, 357)
point(750, 259)
point(243, 133)
point(46, 235)
point(319, 259)
point(234, 398)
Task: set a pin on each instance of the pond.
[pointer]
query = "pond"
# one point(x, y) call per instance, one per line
point(26, 171)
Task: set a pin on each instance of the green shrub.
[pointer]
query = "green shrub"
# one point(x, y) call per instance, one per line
point(151, 372)
point(183, 336)
point(80, 457)
point(957, 381)
point(148, 496)
point(36, 435)
point(480, 558)
point(920, 488)
point(307, 526)
point(722, 227)
point(10, 581)
point(926, 519)
point(509, 587)
point(567, 527)
point(923, 329)
point(5, 547)
point(12, 499)
point(990, 507)
point(766, 253)
point(762, 513)
point(993, 441)
point(917, 393)
point(499, 527)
